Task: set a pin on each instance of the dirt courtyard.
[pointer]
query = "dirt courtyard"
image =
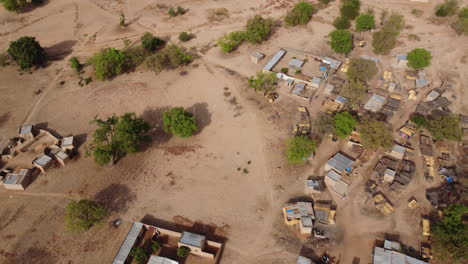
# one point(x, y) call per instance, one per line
point(232, 175)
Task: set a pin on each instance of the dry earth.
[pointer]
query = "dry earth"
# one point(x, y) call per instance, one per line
point(196, 179)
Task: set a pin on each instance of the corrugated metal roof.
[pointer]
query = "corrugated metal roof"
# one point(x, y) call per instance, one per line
point(421, 83)
point(257, 55)
point(276, 58)
point(390, 172)
point(340, 99)
point(334, 64)
point(295, 63)
point(341, 187)
point(303, 260)
point(192, 239)
point(128, 243)
point(375, 103)
point(67, 141)
point(161, 260)
point(25, 129)
point(316, 80)
point(383, 256)
point(399, 148)
point(299, 210)
point(298, 88)
point(340, 162)
point(43, 160)
point(307, 221)
point(333, 175)
point(402, 57)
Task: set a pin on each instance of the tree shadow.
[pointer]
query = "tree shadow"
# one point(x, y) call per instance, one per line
point(31, 6)
point(36, 255)
point(4, 118)
point(116, 197)
point(154, 117)
point(308, 252)
point(60, 50)
point(202, 115)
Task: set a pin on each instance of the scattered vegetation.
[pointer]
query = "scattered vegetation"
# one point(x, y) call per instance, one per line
point(420, 121)
point(139, 255)
point(324, 1)
point(4, 59)
point(344, 124)
point(341, 41)
point(350, 9)
point(176, 12)
point(179, 122)
point(170, 57)
point(76, 64)
point(365, 22)
point(82, 215)
point(183, 252)
point(414, 37)
point(117, 136)
point(384, 41)
point(417, 12)
point(300, 14)
point(27, 52)
point(450, 235)
point(448, 8)
point(374, 134)
point(419, 58)
point(150, 42)
point(122, 20)
point(361, 69)
point(299, 148)
point(461, 24)
point(184, 36)
point(264, 81)
point(284, 70)
point(341, 23)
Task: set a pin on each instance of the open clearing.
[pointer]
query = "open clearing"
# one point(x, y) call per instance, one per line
point(196, 179)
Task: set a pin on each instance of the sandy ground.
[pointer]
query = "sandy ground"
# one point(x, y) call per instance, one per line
point(197, 179)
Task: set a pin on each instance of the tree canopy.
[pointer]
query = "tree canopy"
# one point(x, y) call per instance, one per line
point(170, 57)
point(150, 42)
point(461, 24)
point(448, 8)
point(341, 41)
point(354, 91)
point(361, 69)
point(117, 136)
point(446, 127)
point(231, 41)
point(82, 215)
point(300, 14)
point(384, 41)
point(341, 23)
point(450, 235)
point(344, 124)
point(365, 22)
point(264, 81)
point(27, 52)
point(179, 122)
point(139, 255)
point(375, 134)
point(259, 29)
point(419, 58)
point(14, 5)
point(324, 124)
point(183, 252)
point(299, 148)
point(350, 9)
point(108, 63)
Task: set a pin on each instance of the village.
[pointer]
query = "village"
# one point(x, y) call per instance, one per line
point(286, 151)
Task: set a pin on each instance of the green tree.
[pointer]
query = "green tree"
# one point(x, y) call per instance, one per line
point(134, 56)
point(82, 215)
point(179, 122)
point(350, 9)
point(150, 42)
point(231, 41)
point(324, 124)
point(384, 41)
point(365, 22)
point(27, 52)
point(448, 8)
point(354, 91)
point(446, 127)
point(183, 252)
point(76, 64)
point(420, 121)
point(341, 23)
point(419, 58)
point(108, 63)
point(14, 5)
point(117, 136)
point(299, 148)
point(361, 69)
point(450, 235)
point(264, 81)
point(170, 57)
point(300, 14)
point(344, 124)
point(184, 36)
point(375, 134)
point(139, 255)
point(259, 29)
point(341, 41)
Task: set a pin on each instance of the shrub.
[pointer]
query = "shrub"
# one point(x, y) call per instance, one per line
point(361, 69)
point(184, 36)
point(341, 23)
point(461, 25)
point(414, 37)
point(344, 124)
point(325, 1)
point(75, 64)
point(375, 134)
point(108, 63)
point(341, 41)
point(170, 57)
point(417, 12)
point(446, 127)
point(139, 255)
point(150, 42)
point(155, 246)
point(264, 81)
point(419, 58)
point(299, 148)
point(231, 41)
point(122, 20)
point(259, 29)
point(172, 12)
point(365, 22)
point(300, 14)
point(183, 252)
point(4, 59)
point(420, 121)
point(284, 70)
point(179, 122)
point(27, 52)
point(14, 5)
point(135, 56)
point(448, 8)
point(82, 215)
point(181, 10)
point(350, 9)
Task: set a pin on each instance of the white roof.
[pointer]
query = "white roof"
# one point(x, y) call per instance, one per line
point(161, 260)
point(303, 260)
point(128, 243)
point(25, 129)
point(67, 141)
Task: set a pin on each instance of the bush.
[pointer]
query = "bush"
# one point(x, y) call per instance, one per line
point(183, 252)
point(325, 1)
point(27, 52)
point(258, 30)
point(365, 22)
point(299, 148)
point(264, 81)
point(4, 59)
point(300, 14)
point(184, 36)
point(75, 64)
point(82, 215)
point(350, 9)
point(450, 235)
point(361, 69)
point(135, 56)
point(341, 23)
point(419, 58)
point(150, 42)
point(179, 122)
point(344, 124)
point(461, 25)
point(446, 127)
point(172, 12)
point(231, 41)
point(155, 246)
point(375, 134)
point(14, 5)
point(414, 37)
point(341, 41)
point(170, 57)
point(448, 8)
point(108, 63)
point(139, 255)
point(284, 70)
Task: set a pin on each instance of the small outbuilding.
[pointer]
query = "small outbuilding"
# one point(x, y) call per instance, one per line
point(161, 260)
point(60, 156)
point(43, 162)
point(294, 212)
point(402, 60)
point(295, 64)
point(306, 226)
point(194, 242)
point(314, 185)
point(389, 175)
point(17, 181)
point(67, 143)
point(27, 132)
point(303, 260)
point(256, 57)
point(316, 82)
